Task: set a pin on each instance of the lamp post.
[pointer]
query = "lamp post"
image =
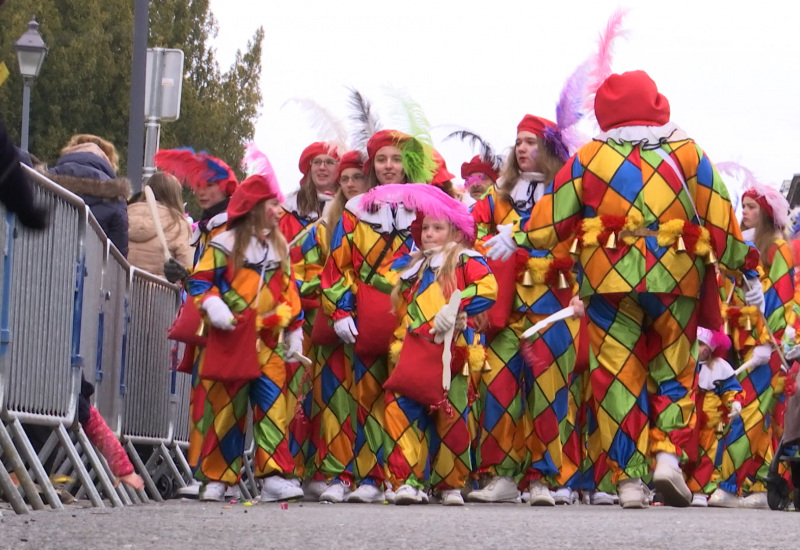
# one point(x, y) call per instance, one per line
point(31, 51)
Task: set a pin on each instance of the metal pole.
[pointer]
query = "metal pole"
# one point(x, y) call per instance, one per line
point(26, 111)
point(141, 16)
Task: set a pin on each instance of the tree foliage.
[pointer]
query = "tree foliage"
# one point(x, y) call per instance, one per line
point(84, 85)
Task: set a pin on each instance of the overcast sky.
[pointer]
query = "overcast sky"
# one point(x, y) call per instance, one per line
point(730, 69)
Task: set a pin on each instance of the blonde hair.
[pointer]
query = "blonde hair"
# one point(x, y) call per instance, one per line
point(254, 224)
point(106, 146)
point(167, 191)
point(307, 200)
point(547, 162)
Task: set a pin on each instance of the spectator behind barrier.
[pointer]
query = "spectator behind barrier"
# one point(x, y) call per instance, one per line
point(15, 190)
point(87, 167)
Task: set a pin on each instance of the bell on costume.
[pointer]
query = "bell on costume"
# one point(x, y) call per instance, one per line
point(726, 326)
point(465, 369)
point(574, 248)
point(562, 281)
point(711, 258)
point(527, 279)
point(680, 245)
point(611, 243)
point(486, 367)
point(748, 325)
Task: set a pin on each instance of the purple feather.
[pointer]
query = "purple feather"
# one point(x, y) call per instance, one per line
point(570, 102)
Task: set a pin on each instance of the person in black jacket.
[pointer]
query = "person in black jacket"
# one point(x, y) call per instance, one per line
point(16, 192)
point(87, 167)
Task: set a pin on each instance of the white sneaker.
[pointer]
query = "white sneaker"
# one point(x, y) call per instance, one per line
point(336, 492)
point(213, 491)
point(407, 494)
point(366, 494)
point(452, 497)
point(599, 498)
point(314, 489)
point(275, 488)
point(540, 494)
point(699, 500)
point(565, 495)
point(423, 494)
point(499, 489)
point(388, 496)
point(633, 494)
point(723, 499)
point(525, 497)
point(755, 501)
point(190, 491)
point(669, 482)
point(233, 493)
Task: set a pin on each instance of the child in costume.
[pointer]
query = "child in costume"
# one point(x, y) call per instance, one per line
point(755, 334)
point(356, 285)
point(648, 210)
point(427, 423)
point(718, 397)
point(245, 287)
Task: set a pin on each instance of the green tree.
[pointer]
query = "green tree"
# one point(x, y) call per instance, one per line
point(84, 86)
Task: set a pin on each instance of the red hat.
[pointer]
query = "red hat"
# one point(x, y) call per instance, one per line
point(351, 159)
point(478, 165)
point(382, 139)
point(630, 99)
point(312, 151)
point(535, 125)
point(196, 169)
point(250, 192)
point(441, 174)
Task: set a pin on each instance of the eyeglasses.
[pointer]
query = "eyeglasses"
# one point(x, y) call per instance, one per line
point(357, 178)
point(326, 162)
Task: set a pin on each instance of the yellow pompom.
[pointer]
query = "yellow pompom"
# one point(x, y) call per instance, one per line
point(476, 358)
point(284, 314)
point(394, 351)
point(538, 268)
point(668, 232)
point(633, 220)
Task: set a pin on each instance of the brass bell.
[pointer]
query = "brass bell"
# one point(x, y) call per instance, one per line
point(711, 258)
point(465, 369)
point(562, 281)
point(611, 243)
point(527, 279)
point(680, 246)
point(747, 324)
point(726, 326)
point(280, 338)
point(202, 330)
point(486, 367)
point(574, 248)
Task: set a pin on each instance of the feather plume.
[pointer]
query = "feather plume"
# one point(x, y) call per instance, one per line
point(569, 111)
point(485, 150)
point(194, 169)
point(328, 126)
point(255, 162)
point(405, 108)
point(736, 170)
point(417, 159)
point(364, 119)
point(427, 200)
point(600, 63)
point(775, 199)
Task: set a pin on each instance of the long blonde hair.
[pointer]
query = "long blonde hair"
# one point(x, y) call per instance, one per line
point(547, 162)
point(254, 224)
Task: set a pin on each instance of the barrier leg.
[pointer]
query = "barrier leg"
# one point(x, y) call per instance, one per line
point(99, 469)
point(173, 468)
point(28, 454)
point(139, 465)
point(80, 469)
point(11, 493)
point(182, 462)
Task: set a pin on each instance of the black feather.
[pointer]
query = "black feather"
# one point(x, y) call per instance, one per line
point(486, 152)
point(365, 120)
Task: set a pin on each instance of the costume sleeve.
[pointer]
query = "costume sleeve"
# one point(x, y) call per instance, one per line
point(313, 261)
point(779, 289)
point(483, 214)
point(338, 275)
point(292, 297)
point(208, 278)
point(480, 287)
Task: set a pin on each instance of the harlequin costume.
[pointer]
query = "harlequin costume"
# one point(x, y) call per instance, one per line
point(640, 182)
point(264, 287)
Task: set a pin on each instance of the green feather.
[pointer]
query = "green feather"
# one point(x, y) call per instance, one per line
point(418, 163)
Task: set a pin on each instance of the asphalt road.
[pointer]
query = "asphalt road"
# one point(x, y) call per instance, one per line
point(194, 525)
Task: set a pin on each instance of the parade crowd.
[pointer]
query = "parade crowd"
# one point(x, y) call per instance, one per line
point(579, 321)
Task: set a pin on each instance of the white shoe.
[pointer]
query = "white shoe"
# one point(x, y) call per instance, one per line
point(525, 497)
point(723, 499)
point(213, 491)
point(565, 495)
point(499, 489)
point(599, 498)
point(755, 501)
point(452, 497)
point(423, 494)
point(699, 500)
point(336, 492)
point(633, 494)
point(275, 488)
point(314, 489)
point(388, 496)
point(540, 494)
point(407, 494)
point(190, 491)
point(669, 482)
point(366, 494)
point(233, 493)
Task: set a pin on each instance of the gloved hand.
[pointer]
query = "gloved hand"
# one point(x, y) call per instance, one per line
point(461, 322)
point(443, 322)
point(736, 409)
point(294, 343)
point(219, 313)
point(761, 355)
point(502, 245)
point(345, 329)
point(174, 271)
point(577, 304)
point(754, 294)
point(794, 353)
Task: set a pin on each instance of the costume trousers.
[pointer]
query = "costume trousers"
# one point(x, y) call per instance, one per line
point(702, 475)
point(369, 374)
point(304, 418)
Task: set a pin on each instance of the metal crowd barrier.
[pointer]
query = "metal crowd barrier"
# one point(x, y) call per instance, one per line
point(71, 304)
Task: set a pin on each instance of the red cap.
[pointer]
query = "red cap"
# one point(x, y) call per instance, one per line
point(351, 159)
point(312, 151)
point(630, 99)
point(478, 165)
point(535, 125)
point(441, 174)
point(250, 192)
point(382, 139)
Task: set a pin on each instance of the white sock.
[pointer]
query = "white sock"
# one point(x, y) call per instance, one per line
point(669, 458)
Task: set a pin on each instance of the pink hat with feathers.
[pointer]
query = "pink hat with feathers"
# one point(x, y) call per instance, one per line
point(426, 200)
point(716, 340)
point(770, 200)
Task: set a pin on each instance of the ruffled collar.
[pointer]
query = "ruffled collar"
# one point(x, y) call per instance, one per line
point(257, 253)
point(527, 191)
point(384, 220)
point(712, 371)
point(432, 258)
point(649, 137)
point(211, 224)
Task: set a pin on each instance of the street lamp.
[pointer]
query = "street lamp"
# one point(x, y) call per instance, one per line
point(31, 51)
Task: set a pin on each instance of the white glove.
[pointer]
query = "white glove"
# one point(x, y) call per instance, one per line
point(294, 343)
point(219, 313)
point(789, 334)
point(794, 353)
point(754, 294)
point(502, 245)
point(761, 355)
point(443, 322)
point(736, 409)
point(345, 329)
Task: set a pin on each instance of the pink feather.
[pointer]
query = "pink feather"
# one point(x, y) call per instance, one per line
point(776, 201)
point(255, 162)
point(427, 200)
point(600, 63)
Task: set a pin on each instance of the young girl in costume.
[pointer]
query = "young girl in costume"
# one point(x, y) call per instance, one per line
point(245, 287)
point(718, 398)
point(765, 211)
point(356, 285)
